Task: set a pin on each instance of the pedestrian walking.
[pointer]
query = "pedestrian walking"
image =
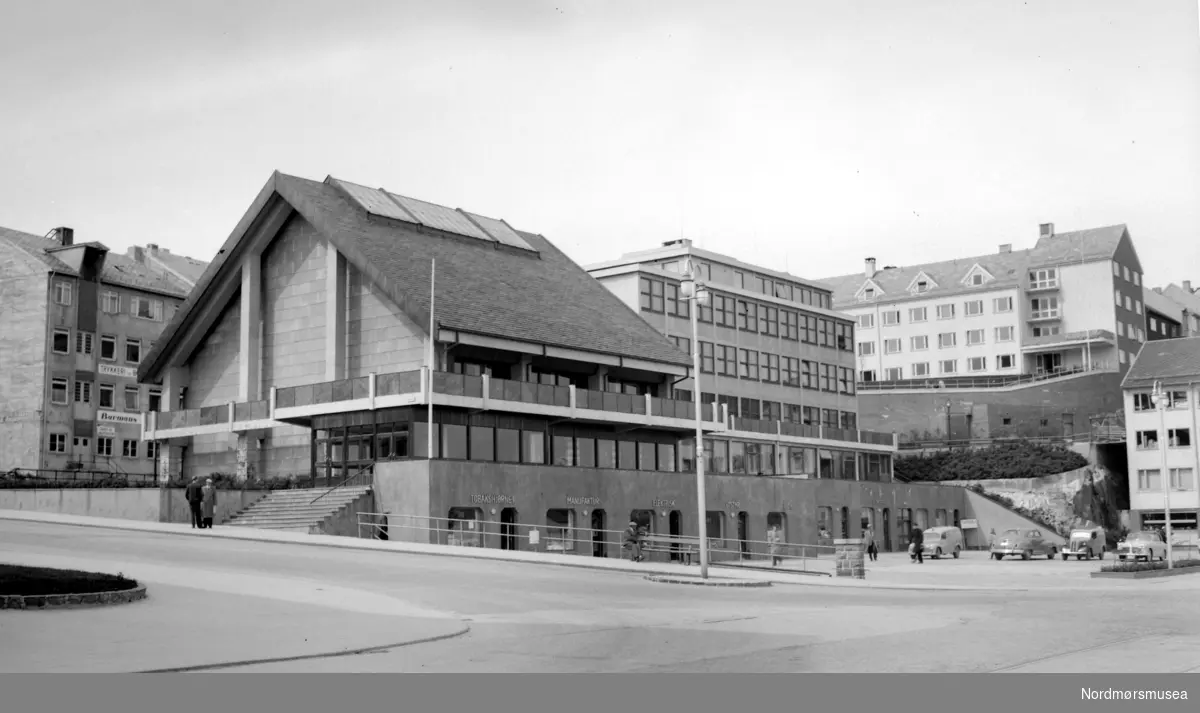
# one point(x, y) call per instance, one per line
point(873, 550)
point(193, 495)
point(774, 542)
point(918, 543)
point(208, 503)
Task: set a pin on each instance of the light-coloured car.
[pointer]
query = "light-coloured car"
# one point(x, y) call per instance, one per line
point(1146, 545)
point(1086, 543)
point(1024, 543)
point(942, 541)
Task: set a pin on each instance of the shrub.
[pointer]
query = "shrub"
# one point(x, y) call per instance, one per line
point(1147, 566)
point(37, 581)
point(36, 483)
point(1021, 459)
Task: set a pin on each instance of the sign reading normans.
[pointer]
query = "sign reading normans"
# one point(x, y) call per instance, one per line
point(117, 417)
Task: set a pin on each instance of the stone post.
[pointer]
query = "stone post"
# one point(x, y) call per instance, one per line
point(849, 558)
point(170, 462)
point(247, 456)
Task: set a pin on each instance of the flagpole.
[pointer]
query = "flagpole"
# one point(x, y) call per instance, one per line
point(432, 341)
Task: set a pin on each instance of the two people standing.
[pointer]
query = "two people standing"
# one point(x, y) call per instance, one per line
point(202, 501)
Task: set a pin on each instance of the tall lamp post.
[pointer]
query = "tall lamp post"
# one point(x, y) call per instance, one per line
point(693, 289)
point(1159, 397)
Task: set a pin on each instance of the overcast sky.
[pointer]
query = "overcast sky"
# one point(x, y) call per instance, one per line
point(794, 133)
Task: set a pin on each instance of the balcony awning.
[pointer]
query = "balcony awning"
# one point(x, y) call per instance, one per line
point(1059, 342)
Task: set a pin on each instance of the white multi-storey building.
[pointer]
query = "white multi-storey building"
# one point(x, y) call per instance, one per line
point(1175, 363)
point(1071, 303)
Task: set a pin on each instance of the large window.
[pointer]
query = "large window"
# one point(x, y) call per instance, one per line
point(1149, 479)
point(60, 343)
point(58, 392)
point(106, 395)
point(464, 528)
point(651, 297)
point(560, 530)
point(146, 308)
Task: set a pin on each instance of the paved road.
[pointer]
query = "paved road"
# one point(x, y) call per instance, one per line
point(218, 602)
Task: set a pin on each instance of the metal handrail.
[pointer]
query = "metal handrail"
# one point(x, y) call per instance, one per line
point(345, 480)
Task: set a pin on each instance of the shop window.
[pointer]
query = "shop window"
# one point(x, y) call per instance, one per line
point(644, 519)
point(464, 527)
point(666, 457)
point(508, 445)
point(646, 459)
point(825, 464)
point(922, 519)
point(737, 457)
point(606, 453)
point(768, 459)
point(714, 528)
point(939, 517)
point(533, 447)
point(627, 455)
point(585, 452)
point(904, 523)
point(483, 444)
point(454, 441)
point(825, 522)
point(560, 530)
point(564, 450)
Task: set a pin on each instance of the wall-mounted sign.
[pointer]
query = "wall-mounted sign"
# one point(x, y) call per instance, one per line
point(105, 431)
point(492, 499)
point(733, 505)
point(662, 503)
point(971, 524)
point(127, 372)
point(118, 417)
point(586, 500)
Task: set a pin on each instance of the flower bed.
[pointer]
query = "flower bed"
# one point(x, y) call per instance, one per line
point(35, 587)
point(1146, 570)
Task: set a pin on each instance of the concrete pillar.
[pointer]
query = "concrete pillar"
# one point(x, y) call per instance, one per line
point(174, 379)
point(250, 351)
point(849, 558)
point(596, 382)
point(170, 462)
point(520, 370)
point(335, 315)
point(247, 457)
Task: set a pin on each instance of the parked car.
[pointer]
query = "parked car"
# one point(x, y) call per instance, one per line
point(941, 541)
point(1025, 543)
point(1086, 543)
point(1145, 545)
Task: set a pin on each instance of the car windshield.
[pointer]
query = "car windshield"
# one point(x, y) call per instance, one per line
point(933, 535)
point(1012, 533)
point(1143, 537)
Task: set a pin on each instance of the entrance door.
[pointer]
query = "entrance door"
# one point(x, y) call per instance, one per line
point(599, 542)
point(887, 530)
point(508, 529)
point(743, 536)
point(676, 530)
point(1048, 363)
point(1068, 425)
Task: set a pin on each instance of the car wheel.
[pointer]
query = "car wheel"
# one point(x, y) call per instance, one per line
point(1102, 552)
point(937, 553)
point(1053, 552)
point(1087, 556)
point(997, 556)
point(1064, 557)
point(956, 552)
point(1026, 554)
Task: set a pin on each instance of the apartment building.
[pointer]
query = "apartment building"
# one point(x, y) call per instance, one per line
point(1152, 437)
point(1071, 303)
point(772, 350)
point(77, 322)
point(470, 372)
point(1165, 317)
point(1188, 300)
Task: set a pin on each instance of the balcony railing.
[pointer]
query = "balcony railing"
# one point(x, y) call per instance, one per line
point(980, 382)
point(1044, 314)
point(800, 430)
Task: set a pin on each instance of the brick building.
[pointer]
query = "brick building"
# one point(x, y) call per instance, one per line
point(77, 321)
point(509, 388)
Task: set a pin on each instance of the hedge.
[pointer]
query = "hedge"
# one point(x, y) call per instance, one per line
point(1147, 566)
point(1021, 459)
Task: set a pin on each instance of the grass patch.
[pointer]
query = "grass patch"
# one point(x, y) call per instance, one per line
point(1147, 566)
point(38, 581)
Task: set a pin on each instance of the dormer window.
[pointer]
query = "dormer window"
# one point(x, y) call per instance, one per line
point(869, 294)
point(977, 279)
point(922, 286)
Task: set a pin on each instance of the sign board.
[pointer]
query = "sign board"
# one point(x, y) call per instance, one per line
point(971, 524)
point(127, 372)
point(105, 431)
point(134, 419)
point(534, 537)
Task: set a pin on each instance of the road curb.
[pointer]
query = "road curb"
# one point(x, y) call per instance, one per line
point(698, 581)
point(72, 601)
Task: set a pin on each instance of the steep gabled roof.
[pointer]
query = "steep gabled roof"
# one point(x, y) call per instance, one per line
point(119, 270)
point(1007, 268)
point(539, 296)
point(1189, 300)
point(1162, 304)
point(1173, 361)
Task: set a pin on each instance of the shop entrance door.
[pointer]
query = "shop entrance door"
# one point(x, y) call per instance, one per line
point(676, 530)
point(599, 536)
point(743, 528)
point(887, 530)
point(508, 529)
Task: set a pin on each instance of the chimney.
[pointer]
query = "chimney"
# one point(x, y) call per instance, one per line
point(153, 248)
point(64, 236)
point(1046, 230)
point(1187, 285)
point(1005, 248)
point(870, 267)
point(138, 254)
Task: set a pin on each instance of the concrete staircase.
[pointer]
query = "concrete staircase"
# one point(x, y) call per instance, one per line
point(294, 511)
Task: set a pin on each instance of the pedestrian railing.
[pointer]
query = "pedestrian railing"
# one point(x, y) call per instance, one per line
point(570, 539)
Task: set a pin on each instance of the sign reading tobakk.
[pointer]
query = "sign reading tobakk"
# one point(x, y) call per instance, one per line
point(117, 417)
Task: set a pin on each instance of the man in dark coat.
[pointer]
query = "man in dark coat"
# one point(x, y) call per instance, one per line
point(194, 496)
point(918, 541)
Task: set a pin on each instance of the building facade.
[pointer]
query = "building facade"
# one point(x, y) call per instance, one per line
point(472, 375)
point(772, 351)
point(1188, 300)
point(1072, 303)
point(78, 323)
point(1170, 436)
point(1165, 317)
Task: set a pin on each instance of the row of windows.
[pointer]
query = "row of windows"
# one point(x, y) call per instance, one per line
point(1176, 438)
point(1130, 303)
point(85, 342)
point(60, 391)
point(945, 340)
point(104, 446)
point(1130, 331)
point(763, 285)
point(777, 411)
point(753, 365)
point(110, 302)
point(1176, 399)
point(1165, 328)
point(749, 458)
point(1151, 479)
point(946, 367)
point(1130, 275)
point(748, 316)
point(948, 310)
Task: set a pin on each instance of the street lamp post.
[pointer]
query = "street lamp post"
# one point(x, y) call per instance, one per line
point(693, 289)
point(1159, 396)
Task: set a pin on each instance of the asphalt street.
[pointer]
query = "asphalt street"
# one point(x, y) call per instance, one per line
point(224, 604)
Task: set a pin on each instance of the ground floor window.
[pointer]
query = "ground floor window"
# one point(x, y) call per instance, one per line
point(1180, 520)
point(644, 519)
point(904, 524)
point(922, 519)
point(560, 530)
point(939, 517)
point(714, 528)
point(802, 461)
point(58, 443)
point(867, 519)
point(777, 522)
point(464, 527)
point(845, 518)
point(825, 522)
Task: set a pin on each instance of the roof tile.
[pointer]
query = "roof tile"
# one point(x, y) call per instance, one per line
point(1173, 361)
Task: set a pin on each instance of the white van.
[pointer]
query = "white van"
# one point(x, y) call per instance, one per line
point(940, 541)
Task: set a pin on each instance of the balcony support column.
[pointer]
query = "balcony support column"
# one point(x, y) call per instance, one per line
point(247, 456)
point(335, 314)
point(250, 331)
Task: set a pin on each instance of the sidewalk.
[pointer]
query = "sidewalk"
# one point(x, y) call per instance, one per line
point(781, 576)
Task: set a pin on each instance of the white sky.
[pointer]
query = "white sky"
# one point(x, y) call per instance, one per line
point(794, 133)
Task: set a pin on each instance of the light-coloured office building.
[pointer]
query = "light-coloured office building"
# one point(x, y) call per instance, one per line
point(1071, 303)
point(1151, 436)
